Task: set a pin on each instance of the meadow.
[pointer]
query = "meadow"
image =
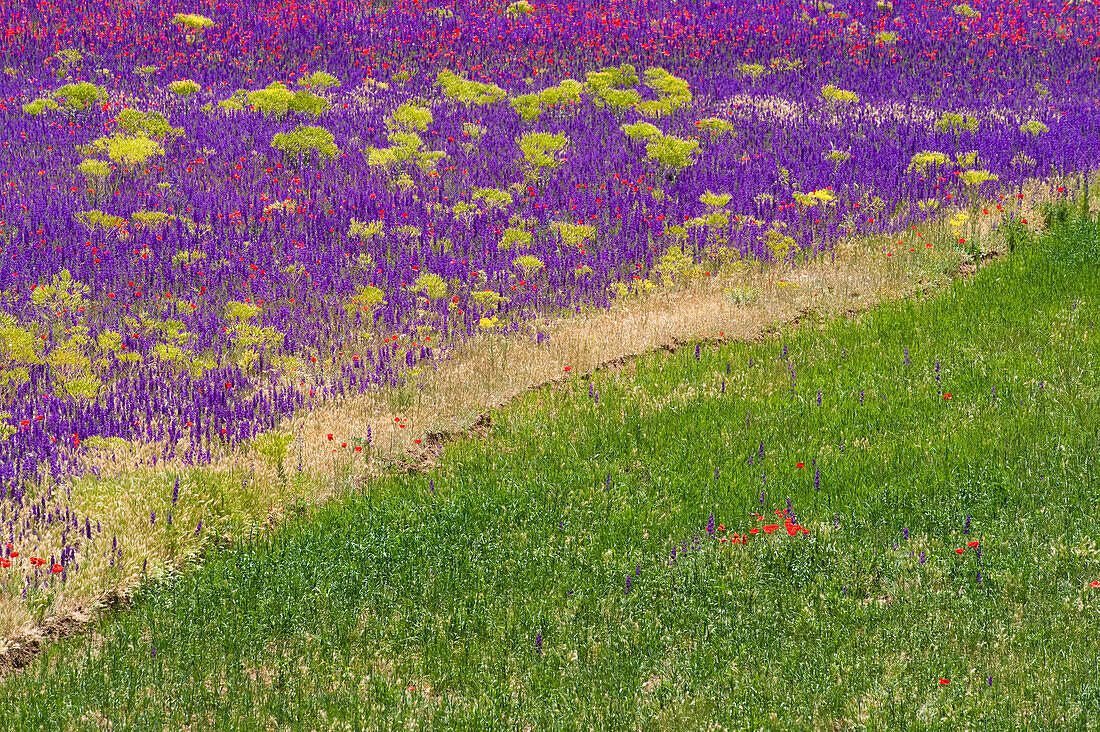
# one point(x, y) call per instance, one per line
point(885, 522)
point(262, 256)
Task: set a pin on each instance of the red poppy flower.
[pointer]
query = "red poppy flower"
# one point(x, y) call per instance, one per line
point(972, 544)
point(945, 682)
point(800, 465)
point(947, 395)
point(721, 527)
point(770, 529)
point(417, 441)
point(754, 531)
point(57, 569)
point(359, 448)
point(1094, 583)
point(960, 550)
point(722, 540)
point(568, 368)
point(329, 435)
point(343, 444)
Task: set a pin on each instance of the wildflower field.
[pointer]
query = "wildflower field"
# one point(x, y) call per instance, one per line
point(261, 264)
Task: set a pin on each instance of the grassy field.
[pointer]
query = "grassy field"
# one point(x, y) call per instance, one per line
point(913, 494)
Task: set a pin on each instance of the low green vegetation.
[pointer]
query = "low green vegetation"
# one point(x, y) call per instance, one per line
point(886, 522)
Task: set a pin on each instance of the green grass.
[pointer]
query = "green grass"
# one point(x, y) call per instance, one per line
point(442, 582)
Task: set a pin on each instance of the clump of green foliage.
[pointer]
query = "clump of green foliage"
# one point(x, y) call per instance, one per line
point(541, 150)
point(640, 131)
point(247, 335)
point(153, 125)
point(672, 91)
point(97, 220)
point(39, 106)
point(886, 38)
point(613, 87)
point(184, 87)
point(492, 197)
point(814, 198)
point(531, 106)
point(528, 264)
point(80, 95)
point(127, 149)
point(515, 236)
point(753, 71)
point(365, 231)
point(193, 21)
point(965, 11)
point(787, 64)
point(432, 285)
point(716, 126)
point(920, 162)
point(574, 234)
point(305, 139)
point(468, 92)
point(319, 80)
point(671, 152)
point(518, 8)
point(276, 99)
point(410, 116)
point(954, 123)
point(1034, 127)
point(839, 96)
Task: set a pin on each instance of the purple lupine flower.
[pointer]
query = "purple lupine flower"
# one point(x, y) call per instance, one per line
point(176, 491)
point(966, 528)
point(723, 386)
point(784, 350)
point(627, 591)
point(672, 556)
point(710, 521)
point(861, 397)
point(836, 521)
point(198, 528)
point(169, 518)
point(922, 556)
point(819, 397)
point(905, 361)
point(697, 348)
point(817, 475)
point(538, 642)
point(905, 533)
point(153, 518)
point(990, 680)
point(638, 570)
point(727, 368)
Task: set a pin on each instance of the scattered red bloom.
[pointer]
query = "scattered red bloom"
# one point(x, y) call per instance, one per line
point(57, 569)
point(960, 550)
point(972, 544)
point(329, 435)
point(770, 529)
point(800, 465)
point(945, 682)
point(1094, 583)
point(754, 531)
